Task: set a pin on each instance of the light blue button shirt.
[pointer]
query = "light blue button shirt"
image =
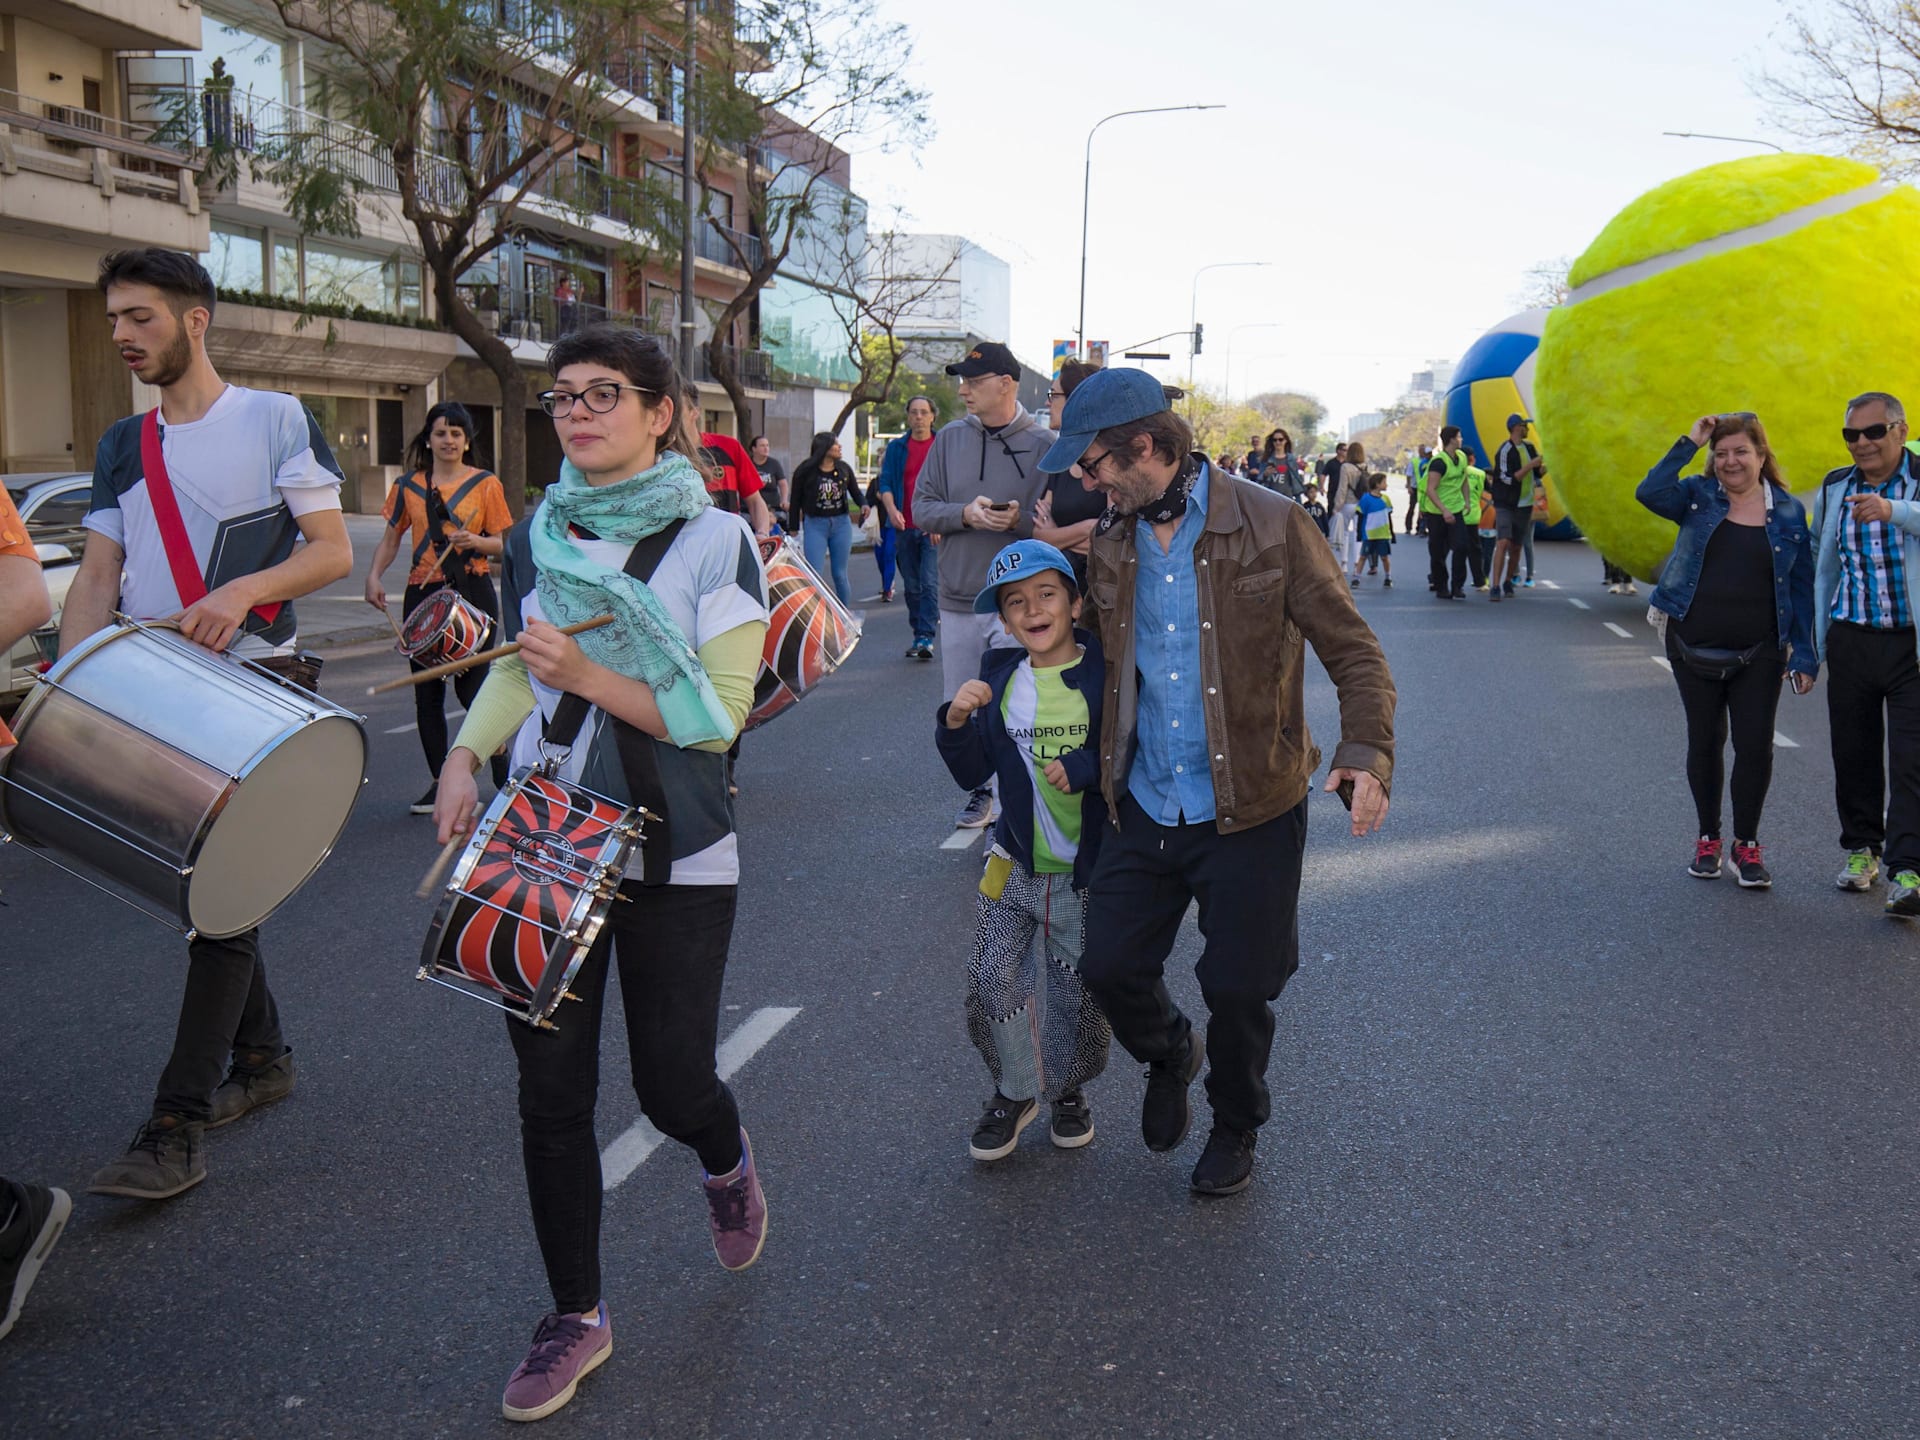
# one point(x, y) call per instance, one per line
point(1171, 779)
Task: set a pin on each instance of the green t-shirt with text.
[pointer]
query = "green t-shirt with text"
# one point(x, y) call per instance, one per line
point(1046, 718)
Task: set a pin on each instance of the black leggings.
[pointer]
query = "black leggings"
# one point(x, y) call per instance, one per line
point(671, 942)
point(1744, 703)
point(430, 696)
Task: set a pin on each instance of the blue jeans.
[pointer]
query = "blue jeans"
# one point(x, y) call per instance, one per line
point(883, 556)
point(822, 535)
point(920, 576)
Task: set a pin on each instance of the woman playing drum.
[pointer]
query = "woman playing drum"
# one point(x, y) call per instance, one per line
point(642, 711)
point(456, 516)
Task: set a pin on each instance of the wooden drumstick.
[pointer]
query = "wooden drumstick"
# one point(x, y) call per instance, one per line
point(398, 634)
point(453, 847)
point(454, 667)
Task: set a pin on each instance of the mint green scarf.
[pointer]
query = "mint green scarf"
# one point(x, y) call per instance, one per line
point(643, 642)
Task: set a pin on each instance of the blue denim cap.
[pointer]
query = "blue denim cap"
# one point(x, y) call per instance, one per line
point(1104, 398)
point(1016, 562)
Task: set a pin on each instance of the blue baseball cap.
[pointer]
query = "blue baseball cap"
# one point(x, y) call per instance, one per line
point(1104, 398)
point(1016, 562)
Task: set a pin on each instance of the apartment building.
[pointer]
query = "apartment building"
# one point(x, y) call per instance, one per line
point(106, 111)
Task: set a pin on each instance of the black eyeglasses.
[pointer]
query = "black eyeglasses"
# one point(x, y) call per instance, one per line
point(1853, 436)
point(598, 398)
point(1056, 394)
point(1090, 464)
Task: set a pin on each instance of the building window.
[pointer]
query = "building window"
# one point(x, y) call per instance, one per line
point(236, 257)
point(286, 267)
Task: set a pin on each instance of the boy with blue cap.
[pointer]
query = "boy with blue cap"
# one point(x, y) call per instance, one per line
point(1032, 718)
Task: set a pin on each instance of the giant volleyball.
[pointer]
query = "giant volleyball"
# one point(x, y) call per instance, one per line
point(1780, 284)
point(1493, 380)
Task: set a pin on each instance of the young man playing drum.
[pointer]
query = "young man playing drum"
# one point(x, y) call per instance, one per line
point(642, 711)
point(202, 507)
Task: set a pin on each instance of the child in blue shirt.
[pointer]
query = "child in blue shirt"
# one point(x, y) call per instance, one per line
point(1376, 528)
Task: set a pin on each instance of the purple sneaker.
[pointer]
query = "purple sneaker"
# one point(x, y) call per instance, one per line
point(737, 1211)
point(564, 1349)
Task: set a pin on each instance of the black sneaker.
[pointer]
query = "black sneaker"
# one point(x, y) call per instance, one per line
point(1387, 584)
point(1165, 1114)
point(1072, 1124)
point(913, 651)
point(166, 1157)
point(424, 805)
point(1000, 1126)
point(1225, 1167)
point(1746, 863)
point(249, 1089)
point(925, 650)
point(977, 812)
point(1507, 589)
point(27, 1237)
point(1903, 895)
point(1706, 859)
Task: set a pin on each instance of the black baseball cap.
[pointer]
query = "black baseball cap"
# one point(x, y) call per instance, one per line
point(989, 357)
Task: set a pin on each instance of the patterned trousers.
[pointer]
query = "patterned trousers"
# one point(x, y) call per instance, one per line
point(1028, 1013)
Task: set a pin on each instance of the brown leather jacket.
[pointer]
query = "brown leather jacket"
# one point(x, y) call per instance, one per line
point(1267, 579)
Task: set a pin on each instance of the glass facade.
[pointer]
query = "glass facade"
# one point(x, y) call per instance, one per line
point(804, 329)
point(236, 257)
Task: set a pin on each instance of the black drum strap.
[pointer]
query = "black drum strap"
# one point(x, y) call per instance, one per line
point(637, 760)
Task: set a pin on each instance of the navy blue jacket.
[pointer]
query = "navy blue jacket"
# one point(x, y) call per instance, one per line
point(981, 749)
point(1697, 505)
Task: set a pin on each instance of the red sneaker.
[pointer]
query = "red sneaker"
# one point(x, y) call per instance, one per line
point(565, 1349)
point(1706, 860)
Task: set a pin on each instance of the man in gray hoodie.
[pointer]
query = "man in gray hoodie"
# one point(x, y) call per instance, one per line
point(975, 493)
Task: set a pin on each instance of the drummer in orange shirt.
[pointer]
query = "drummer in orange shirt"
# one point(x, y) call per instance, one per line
point(31, 1216)
point(456, 522)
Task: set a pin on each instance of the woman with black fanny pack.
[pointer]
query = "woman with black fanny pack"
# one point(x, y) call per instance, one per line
point(1737, 597)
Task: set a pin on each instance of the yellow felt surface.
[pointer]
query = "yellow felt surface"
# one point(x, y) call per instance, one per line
point(1712, 201)
point(1790, 329)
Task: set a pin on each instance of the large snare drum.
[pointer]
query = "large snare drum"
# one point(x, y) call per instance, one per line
point(530, 893)
point(809, 632)
point(444, 626)
point(191, 779)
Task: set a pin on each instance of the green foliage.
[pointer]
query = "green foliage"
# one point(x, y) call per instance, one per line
point(890, 415)
point(315, 309)
point(1300, 415)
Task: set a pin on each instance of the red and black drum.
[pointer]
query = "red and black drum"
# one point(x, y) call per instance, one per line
point(444, 626)
point(809, 632)
point(530, 894)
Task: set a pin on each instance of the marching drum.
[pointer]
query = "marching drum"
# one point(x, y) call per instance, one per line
point(444, 626)
point(198, 781)
point(809, 633)
point(529, 896)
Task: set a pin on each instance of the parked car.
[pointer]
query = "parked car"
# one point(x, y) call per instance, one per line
point(53, 507)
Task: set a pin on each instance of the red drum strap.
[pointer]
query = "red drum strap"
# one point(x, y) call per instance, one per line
point(187, 578)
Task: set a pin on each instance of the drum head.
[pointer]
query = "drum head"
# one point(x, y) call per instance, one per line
point(276, 828)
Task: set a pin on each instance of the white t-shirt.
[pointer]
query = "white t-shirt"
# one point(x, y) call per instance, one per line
point(710, 582)
point(243, 474)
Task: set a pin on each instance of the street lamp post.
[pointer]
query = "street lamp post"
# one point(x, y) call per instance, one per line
point(1086, 192)
point(1730, 139)
point(1193, 307)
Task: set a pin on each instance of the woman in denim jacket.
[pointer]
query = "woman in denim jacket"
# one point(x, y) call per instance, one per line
point(1738, 594)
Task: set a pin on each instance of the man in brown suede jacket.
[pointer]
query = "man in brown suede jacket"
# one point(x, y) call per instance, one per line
point(1202, 588)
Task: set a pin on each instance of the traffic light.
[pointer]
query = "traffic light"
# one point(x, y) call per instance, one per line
point(1199, 333)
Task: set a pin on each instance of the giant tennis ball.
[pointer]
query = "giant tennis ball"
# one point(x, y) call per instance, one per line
point(1780, 284)
point(1493, 380)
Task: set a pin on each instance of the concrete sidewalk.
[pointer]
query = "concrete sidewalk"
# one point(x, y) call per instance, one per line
point(339, 615)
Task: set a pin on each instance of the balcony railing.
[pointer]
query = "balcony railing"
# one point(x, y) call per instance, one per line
point(542, 320)
point(724, 245)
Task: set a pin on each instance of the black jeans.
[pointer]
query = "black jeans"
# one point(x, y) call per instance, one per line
point(227, 1010)
point(1248, 886)
point(1873, 716)
point(1744, 703)
point(1437, 542)
point(672, 947)
point(430, 696)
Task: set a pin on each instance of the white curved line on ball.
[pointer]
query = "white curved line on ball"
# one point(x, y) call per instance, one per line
point(1733, 240)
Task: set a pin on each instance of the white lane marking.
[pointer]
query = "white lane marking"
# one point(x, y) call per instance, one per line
point(1784, 743)
point(962, 839)
point(1578, 604)
point(1551, 584)
point(629, 1151)
point(1620, 630)
point(1662, 661)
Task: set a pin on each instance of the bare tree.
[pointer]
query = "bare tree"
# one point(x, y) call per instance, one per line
point(466, 112)
point(1545, 284)
point(835, 74)
point(1852, 80)
point(893, 276)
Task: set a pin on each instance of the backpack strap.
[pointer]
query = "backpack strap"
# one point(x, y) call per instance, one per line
point(637, 758)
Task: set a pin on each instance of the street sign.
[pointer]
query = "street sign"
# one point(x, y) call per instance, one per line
point(1148, 355)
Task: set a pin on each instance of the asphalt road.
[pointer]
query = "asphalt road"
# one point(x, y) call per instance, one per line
point(1564, 1141)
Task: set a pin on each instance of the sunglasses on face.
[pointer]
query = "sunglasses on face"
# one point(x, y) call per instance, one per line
point(1854, 436)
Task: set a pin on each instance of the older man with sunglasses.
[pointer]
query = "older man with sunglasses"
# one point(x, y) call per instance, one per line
point(1866, 574)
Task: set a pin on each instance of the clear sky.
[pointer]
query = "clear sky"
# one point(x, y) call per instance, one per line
point(1399, 164)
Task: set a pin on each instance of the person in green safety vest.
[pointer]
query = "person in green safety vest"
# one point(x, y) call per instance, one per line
point(1450, 532)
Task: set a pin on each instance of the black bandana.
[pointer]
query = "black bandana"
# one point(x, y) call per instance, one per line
point(1170, 506)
